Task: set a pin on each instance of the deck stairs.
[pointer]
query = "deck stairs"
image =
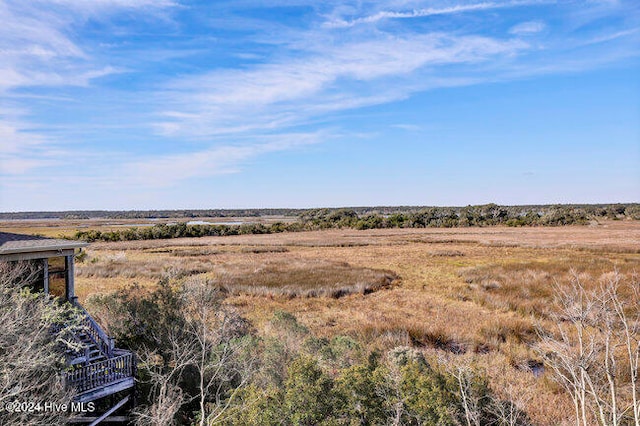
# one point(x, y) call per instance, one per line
point(96, 369)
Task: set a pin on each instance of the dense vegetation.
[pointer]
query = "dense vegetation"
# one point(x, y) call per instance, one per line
point(202, 363)
point(365, 218)
point(608, 210)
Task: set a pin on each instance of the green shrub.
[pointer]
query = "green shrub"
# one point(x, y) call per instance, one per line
point(429, 396)
point(309, 395)
point(288, 322)
point(362, 389)
point(259, 406)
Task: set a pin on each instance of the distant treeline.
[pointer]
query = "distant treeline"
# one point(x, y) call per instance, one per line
point(433, 217)
point(611, 210)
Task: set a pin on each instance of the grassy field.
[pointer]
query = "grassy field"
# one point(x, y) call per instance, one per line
point(473, 293)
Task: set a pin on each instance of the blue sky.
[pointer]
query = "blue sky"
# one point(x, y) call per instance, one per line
point(149, 104)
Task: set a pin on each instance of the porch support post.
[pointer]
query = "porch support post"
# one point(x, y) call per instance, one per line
point(68, 279)
point(45, 275)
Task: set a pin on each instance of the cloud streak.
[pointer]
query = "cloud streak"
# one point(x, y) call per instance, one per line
point(527, 28)
point(38, 47)
point(23, 150)
point(335, 78)
point(170, 169)
point(425, 12)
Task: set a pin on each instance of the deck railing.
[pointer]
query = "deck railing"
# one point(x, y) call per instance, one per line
point(74, 348)
point(104, 342)
point(80, 350)
point(101, 373)
point(92, 329)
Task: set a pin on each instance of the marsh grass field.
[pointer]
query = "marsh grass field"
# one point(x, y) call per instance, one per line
point(478, 294)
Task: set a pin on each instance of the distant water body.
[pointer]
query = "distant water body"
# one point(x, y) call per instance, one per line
point(204, 222)
point(191, 222)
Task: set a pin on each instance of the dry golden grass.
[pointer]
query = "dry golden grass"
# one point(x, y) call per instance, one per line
point(242, 273)
point(135, 265)
point(471, 292)
point(293, 277)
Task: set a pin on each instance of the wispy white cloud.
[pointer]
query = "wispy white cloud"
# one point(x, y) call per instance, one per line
point(38, 48)
point(424, 12)
point(22, 149)
point(111, 4)
point(407, 127)
point(529, 27)
point(166, 170)
point(14, 140)
point(326, 76)
point(29, 43)
point(38, 45)
point(329, 79)
point(612, 36)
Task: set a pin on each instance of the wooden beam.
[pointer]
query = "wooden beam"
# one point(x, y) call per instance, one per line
point(105, 390)
point(35, 255)
point(69, 272)
point(110, 411)
point(45, 275)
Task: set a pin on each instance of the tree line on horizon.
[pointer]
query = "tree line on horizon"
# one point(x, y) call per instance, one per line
point(614, 209)
point(353, 218)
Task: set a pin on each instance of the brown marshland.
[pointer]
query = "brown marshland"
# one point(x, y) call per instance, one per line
point(477, 293)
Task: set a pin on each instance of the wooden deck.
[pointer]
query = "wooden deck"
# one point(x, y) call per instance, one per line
point(97, 369)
